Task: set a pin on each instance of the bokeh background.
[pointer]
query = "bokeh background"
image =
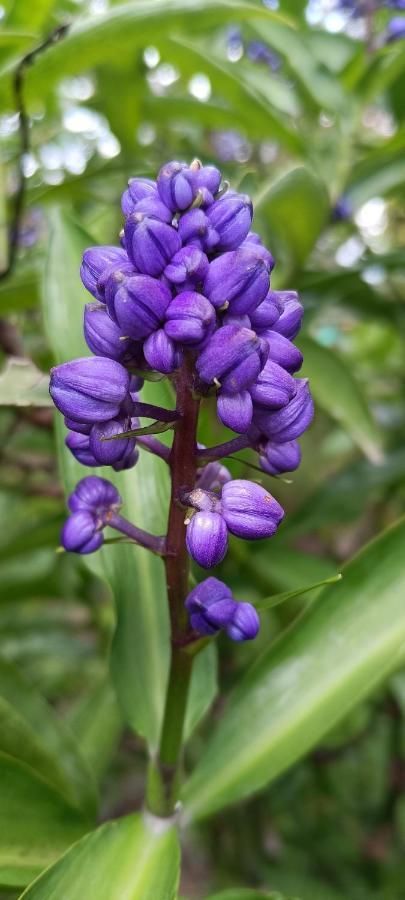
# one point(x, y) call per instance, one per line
point(303, 107)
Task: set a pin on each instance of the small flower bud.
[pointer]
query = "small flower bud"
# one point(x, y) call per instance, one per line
point(291, 313)
point(195, 229)
point(207, 538)
point(176, 185)
point(282, 351)
point(253, 240)
point(108, 452)
point(210, 606)
point(266, 314)
point(139, 306)
point(150, 243)
point(104, 337)
point(232, 358)
point(138, 189)
point(96, 495)
point(98, 260)
point(80, 533)
point(286, 424)
point(189, 318)
point(90, 389)
point(249, 511)
point(231, 217)
point(208, 177)
point(235, 411)
point(79, 446)
point(275, 459)
point(239, 278)
point(245, 623)
point(188, 268)
point(161, 352)
point(154, 209)
point(274, 387)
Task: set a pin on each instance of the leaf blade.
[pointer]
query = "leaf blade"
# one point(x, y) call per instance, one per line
point(332, 657)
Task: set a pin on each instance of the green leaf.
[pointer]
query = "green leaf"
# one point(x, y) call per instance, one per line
point(30, 731)
point(295, 209)
point(126, 27)
point(36, 823)
point(133, 858)
point(97, 725)
point(336, 391)
point(276, 599)
point(203, 688)
point(23, 384)
point(246, 95)
point(155, 428)
point(140, 647)
point(336, 653)
point(23, 14)
point(248, 894)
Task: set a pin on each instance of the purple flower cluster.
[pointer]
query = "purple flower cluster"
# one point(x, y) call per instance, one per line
point(92, 503)
point(212, 608)
point(191, 281)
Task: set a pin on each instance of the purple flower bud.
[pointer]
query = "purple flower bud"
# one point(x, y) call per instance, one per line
point(78, 427)
point(245, 623)
point(104, 337)
point(161, 352)
point(287, 424)
point(282, 351)
point(207, 538)
point(211, 606)
point(188, 268)
point(239, 279)
point(90, 389)
point(80, 534)
point(189, 318)
point(274, 387)
point(235, 411)
point(291, 313)
point(96, 261)
point(213, 476)
point(278, 458)
point(231, 217)
point(249, 511)
point(139, 306)
point(150, 243)
point(196, 229)
point(94, 494)
point(138, 189)
point(109, 452)
point(176, 185)
point(342, 210)
point(266, 314)
point(253, 240)
point(79, 446)
point(232, 358)
point(208, 177)
point(154, 209)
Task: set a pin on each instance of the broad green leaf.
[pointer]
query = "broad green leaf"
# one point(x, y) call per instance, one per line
point(36, 823)
point(336, 653)
point(31, 732)
point(126, 27)
point(97, 725)
point(203, 688)
point(295, 209)
point(135, 858)
point(382, 172)
point(276, 599)
point(23, 384)
point(140, 648)
point(335, 389)
point(247, 96)
point(25, 14)
point(248, 894)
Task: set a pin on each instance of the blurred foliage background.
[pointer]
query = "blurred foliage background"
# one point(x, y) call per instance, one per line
point(307, 114)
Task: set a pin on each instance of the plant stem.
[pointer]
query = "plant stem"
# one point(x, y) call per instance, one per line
point(141, 537)
point(164, 773)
